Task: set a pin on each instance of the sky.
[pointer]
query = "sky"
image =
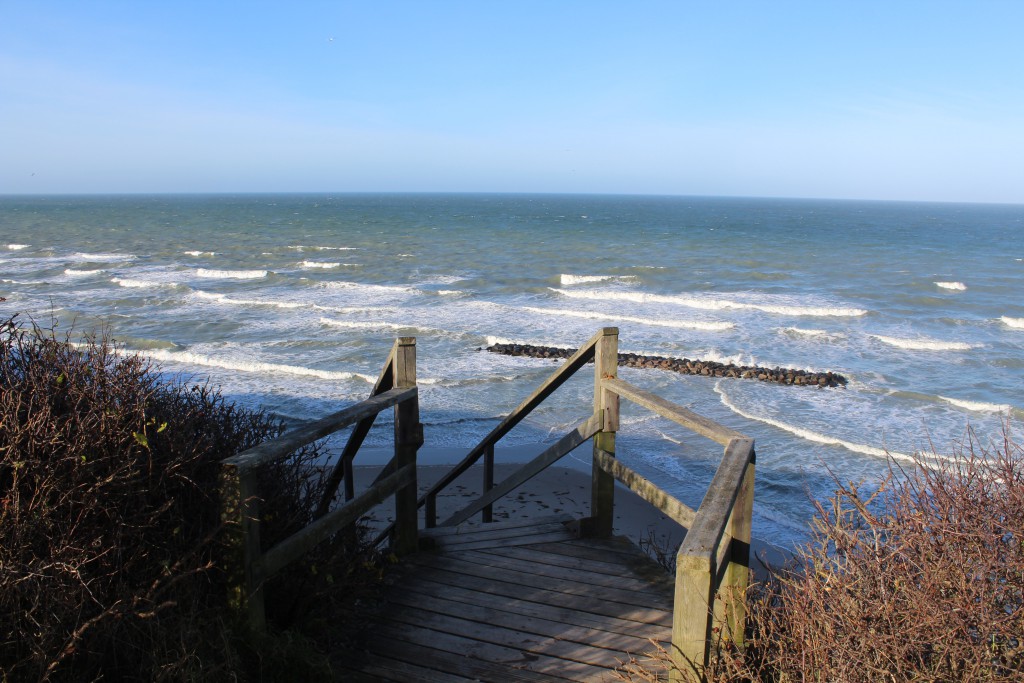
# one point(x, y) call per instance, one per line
point(893, 99)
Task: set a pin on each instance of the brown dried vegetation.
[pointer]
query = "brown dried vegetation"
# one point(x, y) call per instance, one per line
point(109, 521)
point(921, 579)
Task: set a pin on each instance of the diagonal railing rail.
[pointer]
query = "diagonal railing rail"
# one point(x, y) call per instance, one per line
point(712, 563)
point(247, 565)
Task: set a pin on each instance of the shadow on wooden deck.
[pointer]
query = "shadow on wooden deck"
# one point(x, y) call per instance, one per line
point(526, 600)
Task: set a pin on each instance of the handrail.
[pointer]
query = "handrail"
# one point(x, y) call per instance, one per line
point(552, 454)
point(681, 514)
point(681, 416)
point(247, 566)
point(582, 356)
point(714, 557)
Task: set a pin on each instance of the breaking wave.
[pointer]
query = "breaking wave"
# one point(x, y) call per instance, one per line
point(18, 247)
point(138, 284)
point(979, 406)
point(679, 324)
point(231, 274)
point(1016, 323)
point(711, 304)
point(955, 286)
point(922, 344)
point(189, 358)
point(809, 435)
point(320, 264)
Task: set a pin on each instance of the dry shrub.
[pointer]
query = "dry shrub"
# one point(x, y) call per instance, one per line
point(921, 579)
point(109, 519)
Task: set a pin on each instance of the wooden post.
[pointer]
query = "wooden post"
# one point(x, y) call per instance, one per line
point(408, 438)
point(240, 515)
point(731, 607)
point(488, 512)
point(606, 403)
point(430, 511)
point(692, 617)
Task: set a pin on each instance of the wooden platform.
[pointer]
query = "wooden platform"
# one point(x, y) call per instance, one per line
point(516, 601)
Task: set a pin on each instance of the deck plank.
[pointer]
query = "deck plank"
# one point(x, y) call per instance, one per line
point(517, 601)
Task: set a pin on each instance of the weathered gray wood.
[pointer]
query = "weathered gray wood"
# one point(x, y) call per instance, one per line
point(515, 636)
point(425, 586)
point(343, 468)
point(516, 522)
point(639, 593)
point(241, 543)
point(646, 489)
point(550, 536)
point(301, 542)
point(609, 602)
point(408, 438)
point(464, 656)
point(606, 404)
point(552, 454)
point(708, 528)
point(692, 618)
point(283, 445)
point(733, 587)
point(557, 628)
point(698, 560)
point(612, 571)
point(376, 669)
point(557, 379)
point(677, 414)
point(543, 525)
point(487, 514)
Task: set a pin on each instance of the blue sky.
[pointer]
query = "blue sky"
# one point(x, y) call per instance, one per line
point(871, 100)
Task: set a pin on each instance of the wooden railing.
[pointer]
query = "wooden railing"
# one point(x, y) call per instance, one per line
point(712, 564)
point(246, 564)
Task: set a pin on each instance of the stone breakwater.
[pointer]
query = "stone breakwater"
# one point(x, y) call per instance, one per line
point(687, 366)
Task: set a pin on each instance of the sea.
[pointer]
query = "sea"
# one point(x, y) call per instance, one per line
point(291, 302)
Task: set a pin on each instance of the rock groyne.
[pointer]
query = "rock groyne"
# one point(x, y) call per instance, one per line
point(687, 366)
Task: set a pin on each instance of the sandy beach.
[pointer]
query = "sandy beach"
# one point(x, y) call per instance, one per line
point(558, 489)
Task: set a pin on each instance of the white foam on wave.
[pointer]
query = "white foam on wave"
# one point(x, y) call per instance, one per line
point(372, 289)
point(1016, 323)
point(451, 292)
point(72, 272)
point(190, 358)
point(320, 264)
point(375, 325)
point(678, 324)
point(567, 279)
point(105, 257)
point(132, 283)
point(230, 274)
point(225, 299)
point(18, 247)
point(955, 286)
point(978, 406)
point(804, 332)
point(303, 247)
point(708, 304)
point(922, 344)
point(809, 435)
point(201, 253)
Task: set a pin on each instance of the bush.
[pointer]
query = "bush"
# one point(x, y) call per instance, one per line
point(109, 517)
point(920, 580)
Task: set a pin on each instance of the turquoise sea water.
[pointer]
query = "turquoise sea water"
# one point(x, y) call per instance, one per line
point(291, 302)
